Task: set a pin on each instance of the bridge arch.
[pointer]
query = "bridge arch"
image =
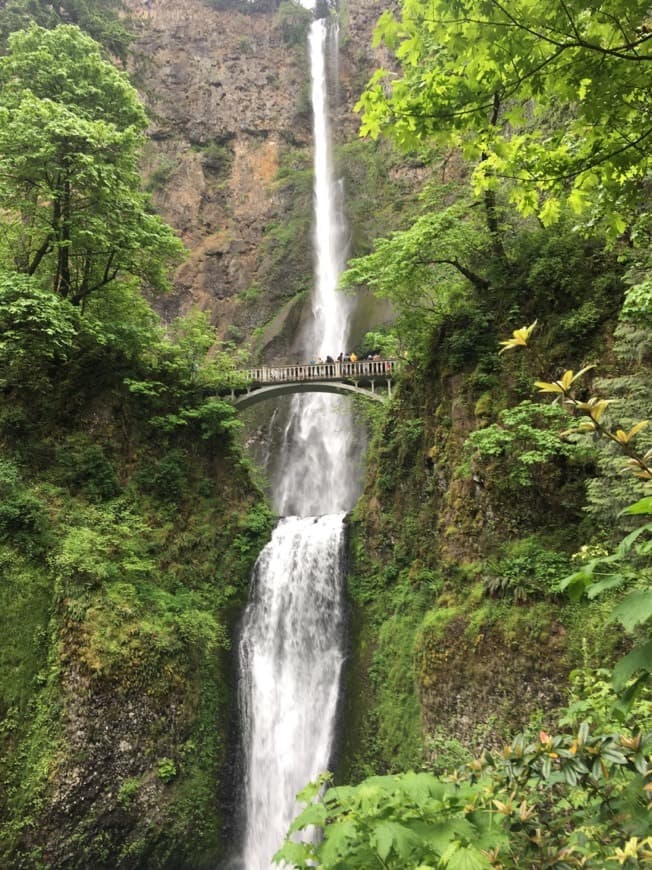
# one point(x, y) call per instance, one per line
point(246, 400)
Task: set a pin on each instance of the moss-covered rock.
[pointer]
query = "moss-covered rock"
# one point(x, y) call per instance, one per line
point(460, 632)
point(117, 695)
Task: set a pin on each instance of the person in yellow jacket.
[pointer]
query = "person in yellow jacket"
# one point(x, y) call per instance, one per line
point(354, 357)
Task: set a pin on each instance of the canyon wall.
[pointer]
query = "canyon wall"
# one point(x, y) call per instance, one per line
point(229, 157)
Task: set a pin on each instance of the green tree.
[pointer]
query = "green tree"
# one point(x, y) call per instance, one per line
point(552, 97)
point(183, 368)
point(419, 266)
point(432, 271)
point(71, 127)
point(104, 20)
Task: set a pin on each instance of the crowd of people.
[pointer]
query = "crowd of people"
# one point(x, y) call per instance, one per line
point(340, 366)
point(345, 358)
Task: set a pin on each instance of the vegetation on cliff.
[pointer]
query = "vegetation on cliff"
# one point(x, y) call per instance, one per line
point(128, 520)
point(481, 498)
point(103, 20)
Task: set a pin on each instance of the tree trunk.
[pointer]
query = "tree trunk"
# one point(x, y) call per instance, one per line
point(491, 210)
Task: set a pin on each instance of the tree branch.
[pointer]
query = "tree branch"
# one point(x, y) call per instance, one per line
point(110, 274)
point(477, 280)
point(45, 248)
point(565, 176)
point(620, 51)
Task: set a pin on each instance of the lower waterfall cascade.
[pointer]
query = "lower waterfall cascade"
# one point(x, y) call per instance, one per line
point(290, 658)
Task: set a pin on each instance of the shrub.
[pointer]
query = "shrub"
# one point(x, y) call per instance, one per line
point(23, 520)
point(166, 770)
point(85, 467)
point(527, 569)
point(127, 792)
point(523, 440)
point(166, 478)
point(37, 328)
point(161, 175)
point(217, 157)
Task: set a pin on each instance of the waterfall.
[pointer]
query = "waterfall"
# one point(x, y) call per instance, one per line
point(291, 650)
point(291, 656)
point(320, 455)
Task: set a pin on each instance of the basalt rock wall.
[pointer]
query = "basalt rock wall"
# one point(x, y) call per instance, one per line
point(227, 86)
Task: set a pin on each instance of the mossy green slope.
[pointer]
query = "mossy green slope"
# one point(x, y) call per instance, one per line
point(126, 553)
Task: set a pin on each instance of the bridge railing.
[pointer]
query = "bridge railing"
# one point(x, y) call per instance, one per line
point(369, 370)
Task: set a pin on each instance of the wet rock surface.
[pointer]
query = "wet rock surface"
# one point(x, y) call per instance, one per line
point(228, 94)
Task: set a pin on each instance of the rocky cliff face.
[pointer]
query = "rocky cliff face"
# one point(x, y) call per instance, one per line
point(229, 95)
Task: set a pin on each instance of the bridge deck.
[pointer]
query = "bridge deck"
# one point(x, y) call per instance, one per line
point(362, 372)
point(250, 386)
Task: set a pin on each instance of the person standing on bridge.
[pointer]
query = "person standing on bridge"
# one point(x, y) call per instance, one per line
point(353, 356)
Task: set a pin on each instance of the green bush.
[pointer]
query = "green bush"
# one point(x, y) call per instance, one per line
point(464, 335)
point(103, 543)
point(444, 753)
point(37, 328)
point(128, 791)
point(572, 798)
point(23, 519)
point(167, 478)
point(166, 770)
point(523, 440)
point(218, 157)
point(527, 569)
point(160, 176)
point(86, 468)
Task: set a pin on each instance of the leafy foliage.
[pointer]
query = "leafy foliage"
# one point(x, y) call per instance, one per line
point(564, 799)
point(381, 341)
point(137, 594)
point(418, 267)
point(502, 811)
point(636, 607)
point(396, 822)
point(70, 133)
point(524, 571)
point(525, 438)
point(23, 519)
point(550, 104)
point(628, 385)
point(628, 567)
point(182, 370)
point(37, 329)
point(551, 98)
point(125, 542)
point(103, 20)
point(86, 467)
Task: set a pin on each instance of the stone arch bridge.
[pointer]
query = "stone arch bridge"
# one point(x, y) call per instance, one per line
point(359, 378)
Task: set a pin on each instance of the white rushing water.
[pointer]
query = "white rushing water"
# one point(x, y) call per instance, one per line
point(291, 651)
point(291, 655)
point(320, 452)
